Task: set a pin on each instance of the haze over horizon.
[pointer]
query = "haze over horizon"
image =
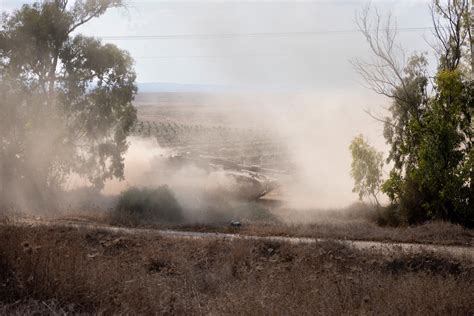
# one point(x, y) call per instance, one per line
point(284, 45)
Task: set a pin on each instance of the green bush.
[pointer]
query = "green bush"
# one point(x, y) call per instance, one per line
point(157, 205)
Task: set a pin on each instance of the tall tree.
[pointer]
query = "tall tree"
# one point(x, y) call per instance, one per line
point(66, 99)
point(429, 126)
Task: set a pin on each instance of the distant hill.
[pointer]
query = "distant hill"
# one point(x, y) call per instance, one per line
point(157, 87)
point(177, 94)
point(160, 87)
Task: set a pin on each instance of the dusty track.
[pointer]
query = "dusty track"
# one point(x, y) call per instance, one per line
point(383, 247)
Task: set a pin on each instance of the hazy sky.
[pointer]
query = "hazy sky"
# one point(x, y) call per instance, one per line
point(311, 61)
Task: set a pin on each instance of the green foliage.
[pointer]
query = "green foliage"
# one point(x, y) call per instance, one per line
point(432, 151)
point(148, 206)
point(409, 99)
point(366, 168)
point(429, 128)
point(66, 100)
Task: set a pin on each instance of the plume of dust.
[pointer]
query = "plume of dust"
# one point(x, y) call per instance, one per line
point(315, 128)
point(138, 162)
point(147, 165)
point(318, 128)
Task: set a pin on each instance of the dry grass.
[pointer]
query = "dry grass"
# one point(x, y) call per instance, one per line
point(68, 270)
point(437, 233)
point(430, 233)
point(353, 223)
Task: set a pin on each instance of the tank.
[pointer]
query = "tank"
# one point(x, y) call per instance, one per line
point(249, 182)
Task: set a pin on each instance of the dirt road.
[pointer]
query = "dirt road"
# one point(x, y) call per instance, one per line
point(384, 247)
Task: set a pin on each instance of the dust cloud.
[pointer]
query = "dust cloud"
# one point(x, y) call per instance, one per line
point(200, 193)
point(316, 130)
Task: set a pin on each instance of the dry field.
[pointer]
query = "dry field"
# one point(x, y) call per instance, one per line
point(55, 270)
point(353, 223)
point(347, 224)
point(430, 233)
point(211, 126)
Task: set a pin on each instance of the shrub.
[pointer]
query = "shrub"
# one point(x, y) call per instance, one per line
point(157, 205)
point(388, 216)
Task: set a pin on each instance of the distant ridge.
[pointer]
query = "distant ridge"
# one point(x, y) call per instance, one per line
point(156, 87)
point(163, 87)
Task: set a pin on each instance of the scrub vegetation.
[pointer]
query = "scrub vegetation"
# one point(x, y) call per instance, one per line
point(66, 270)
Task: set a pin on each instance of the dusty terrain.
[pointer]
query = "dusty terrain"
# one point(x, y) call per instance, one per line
point(64, 269)
point(436, 233)
point(289, 261)
point(459, 245)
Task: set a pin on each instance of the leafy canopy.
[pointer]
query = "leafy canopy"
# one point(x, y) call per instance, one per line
point(366, 169)
point(429, 126)
point(66, 99)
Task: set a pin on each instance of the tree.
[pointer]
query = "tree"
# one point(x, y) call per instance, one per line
point(366, 169)
point(429, 126)
point(452, 29)
point(66, 99)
